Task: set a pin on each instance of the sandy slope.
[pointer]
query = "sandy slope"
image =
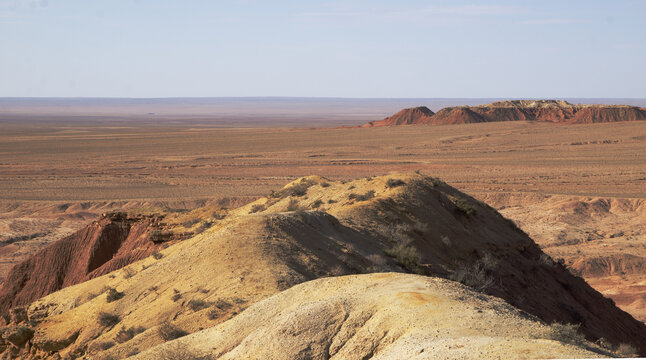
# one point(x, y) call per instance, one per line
point(377, 316)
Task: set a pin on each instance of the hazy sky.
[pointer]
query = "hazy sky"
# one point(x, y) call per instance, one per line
point(371, 48)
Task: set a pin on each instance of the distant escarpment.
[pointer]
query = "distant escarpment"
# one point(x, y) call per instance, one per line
point(108, 244)
point(555, 111)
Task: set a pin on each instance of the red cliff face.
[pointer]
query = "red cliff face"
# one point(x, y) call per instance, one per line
point(517, 110)
point(598, 114)
point(108, 244)
point(405, 117)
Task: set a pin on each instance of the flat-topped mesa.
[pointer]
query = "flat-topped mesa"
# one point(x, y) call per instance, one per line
point(556, 111)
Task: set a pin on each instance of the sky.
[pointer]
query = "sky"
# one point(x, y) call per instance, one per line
point(336, 48)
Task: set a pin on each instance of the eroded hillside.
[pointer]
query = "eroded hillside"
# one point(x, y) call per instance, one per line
point(600, 239)
point(310, 229)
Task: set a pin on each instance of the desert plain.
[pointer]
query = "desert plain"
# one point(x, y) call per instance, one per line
point(578, 190)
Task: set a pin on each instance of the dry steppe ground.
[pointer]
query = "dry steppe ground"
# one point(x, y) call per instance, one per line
point(578, 190)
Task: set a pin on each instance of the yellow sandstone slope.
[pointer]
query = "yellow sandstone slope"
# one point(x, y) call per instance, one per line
point(376, 316)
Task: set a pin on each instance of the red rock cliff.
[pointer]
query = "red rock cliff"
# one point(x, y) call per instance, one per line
point(107, 244)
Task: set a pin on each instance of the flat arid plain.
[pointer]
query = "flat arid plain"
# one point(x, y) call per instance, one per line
point(578, 190)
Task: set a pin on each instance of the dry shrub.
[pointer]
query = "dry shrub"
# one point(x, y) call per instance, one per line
point(294, 206)
point(405, 255)
point(463, 206)
point(626, 350)
point(256, 208)
point(114, 295)
point(125, 335)
point(317, 203)
point(128, 273)
point(197, 305)
point(168, 331)
point(189, 223)
point(219, 307)
point(157, 255)
point(391, 183)
point(478, 275)
point(105, 345)
point(107, 319)
point(362, 197)
point(298, 189)
point(566, 333)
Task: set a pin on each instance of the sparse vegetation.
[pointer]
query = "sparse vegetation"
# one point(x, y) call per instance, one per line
point(325, 184)
point(566, 333)
point(391, 183)
point(331, 201)
point(217, 216)
point(297, 189)
point(189, 223)
point(219, 307)
point(157, 255)
point(108, 319)
point(124, 335)
point(477, 275)
point(176, 297)
point(626, 350)
point(256, 208)
point(168, 331)
point(434, 181)
point(294, 206)
point(405, 255)
point(362, 197)
point(128, 273)
point(114, 295)
point(197, 305)
point(106, 345)
point(464, 206)
point(203, 227)
point(546, 260)
point(317, 203)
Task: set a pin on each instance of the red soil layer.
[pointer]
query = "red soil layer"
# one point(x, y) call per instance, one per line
point(515, 110)
point(108, 244)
